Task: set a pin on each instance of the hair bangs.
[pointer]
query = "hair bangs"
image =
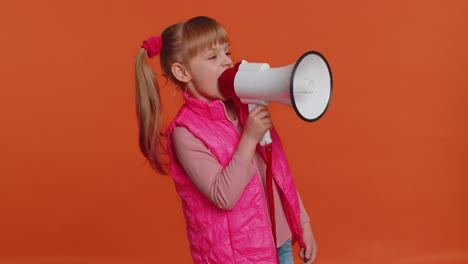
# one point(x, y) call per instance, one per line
point(202, 33)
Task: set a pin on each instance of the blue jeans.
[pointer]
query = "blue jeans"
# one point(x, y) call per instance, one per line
point(285, 253)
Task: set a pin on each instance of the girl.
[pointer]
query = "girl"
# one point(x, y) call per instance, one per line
point(215, 160)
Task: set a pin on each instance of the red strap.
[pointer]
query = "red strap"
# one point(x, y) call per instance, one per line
point(269, 186)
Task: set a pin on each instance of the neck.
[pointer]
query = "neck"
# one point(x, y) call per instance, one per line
point(230, 112)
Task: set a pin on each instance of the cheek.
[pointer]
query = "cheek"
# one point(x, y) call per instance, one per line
point(208, 78)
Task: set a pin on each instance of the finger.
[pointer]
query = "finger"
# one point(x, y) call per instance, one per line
point(311, 258)
point(314, 253)
point(314, 256)
point(268, 125)
point(264, 114)
point(262, 119)
point(308, 252)
point(261, 113)
point(258, 109)
point(301, 253)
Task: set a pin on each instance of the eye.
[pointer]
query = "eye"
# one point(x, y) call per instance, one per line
point(228, 53)
point(213, 57)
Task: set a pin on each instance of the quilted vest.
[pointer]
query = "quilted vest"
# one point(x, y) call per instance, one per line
point(242, 234)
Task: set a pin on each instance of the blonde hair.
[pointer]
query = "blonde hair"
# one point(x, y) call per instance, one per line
point(181, 42)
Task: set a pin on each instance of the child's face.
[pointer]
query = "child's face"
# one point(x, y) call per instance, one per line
point(205, 69)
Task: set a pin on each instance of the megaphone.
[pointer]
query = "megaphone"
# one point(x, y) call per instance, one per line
point(305, 85)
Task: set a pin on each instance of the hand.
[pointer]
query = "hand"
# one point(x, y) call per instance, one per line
point(309, 253)
point(258, 122)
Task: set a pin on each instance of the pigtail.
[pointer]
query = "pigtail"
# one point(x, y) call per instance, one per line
point(178, 43)
point(148, 112)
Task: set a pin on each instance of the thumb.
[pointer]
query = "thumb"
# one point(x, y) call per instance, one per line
point(301, 253)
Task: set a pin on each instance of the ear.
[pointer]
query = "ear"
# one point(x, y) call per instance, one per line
point(180, 72)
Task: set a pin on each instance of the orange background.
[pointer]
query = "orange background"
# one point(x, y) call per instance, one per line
point(383, 174)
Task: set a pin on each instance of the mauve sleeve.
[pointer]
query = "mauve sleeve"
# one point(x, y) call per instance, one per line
point(222, 186)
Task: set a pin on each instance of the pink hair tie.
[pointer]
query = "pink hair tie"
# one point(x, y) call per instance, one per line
point(152, 46)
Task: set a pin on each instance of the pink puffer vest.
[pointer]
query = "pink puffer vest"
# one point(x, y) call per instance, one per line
point(242, 234)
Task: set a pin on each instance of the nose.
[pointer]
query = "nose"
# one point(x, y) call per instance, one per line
point(227, 62)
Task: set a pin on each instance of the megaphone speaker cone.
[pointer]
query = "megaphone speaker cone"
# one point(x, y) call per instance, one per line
point(311, 86)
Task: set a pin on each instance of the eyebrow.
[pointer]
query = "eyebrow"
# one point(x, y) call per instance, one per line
point(227, 46)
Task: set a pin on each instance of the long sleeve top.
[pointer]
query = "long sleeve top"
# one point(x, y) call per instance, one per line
point(224, 186)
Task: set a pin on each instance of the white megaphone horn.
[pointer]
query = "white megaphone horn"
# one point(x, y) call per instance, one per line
point(305, 86)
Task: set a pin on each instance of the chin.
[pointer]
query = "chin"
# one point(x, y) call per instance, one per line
point(224, 98)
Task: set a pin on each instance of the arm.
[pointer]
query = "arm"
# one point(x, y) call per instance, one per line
point(222, 186)
point(310, 249)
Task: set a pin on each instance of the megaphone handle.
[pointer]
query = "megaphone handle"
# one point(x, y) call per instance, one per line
point(266, 138)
